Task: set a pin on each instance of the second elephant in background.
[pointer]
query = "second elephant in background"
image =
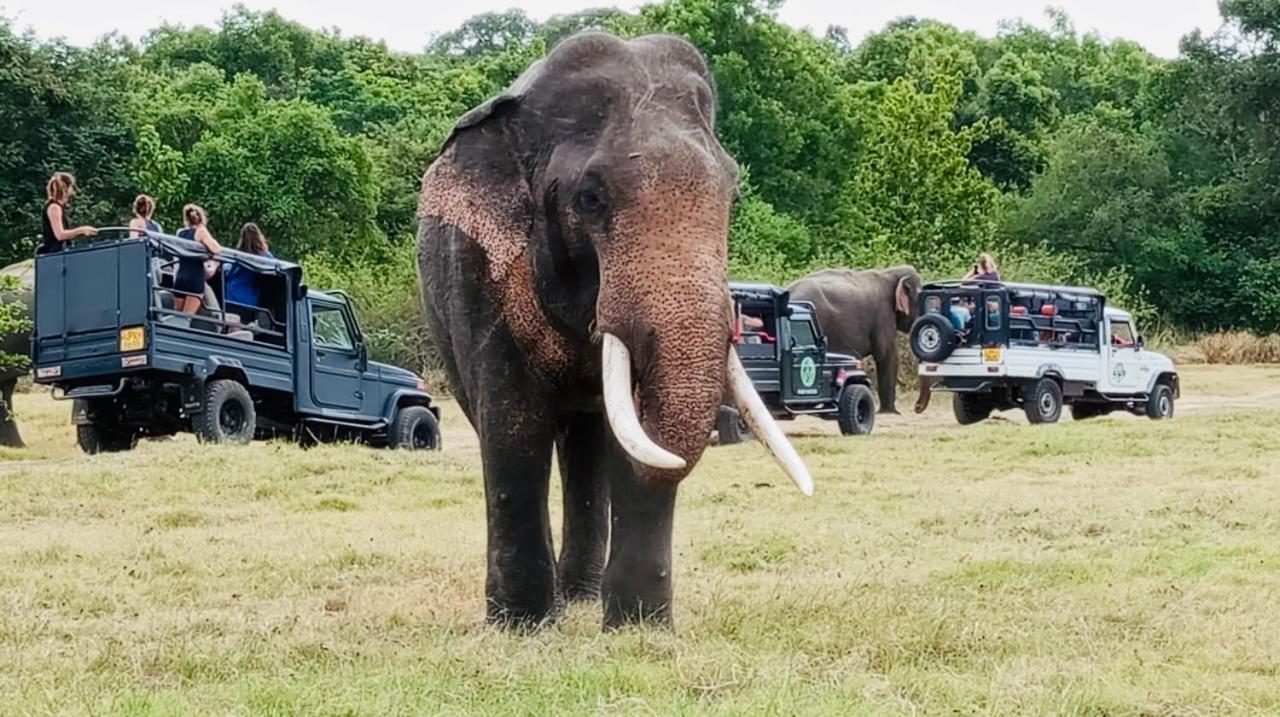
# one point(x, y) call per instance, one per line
point(862, 312)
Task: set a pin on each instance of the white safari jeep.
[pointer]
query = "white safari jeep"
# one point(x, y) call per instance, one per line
point(998, 346)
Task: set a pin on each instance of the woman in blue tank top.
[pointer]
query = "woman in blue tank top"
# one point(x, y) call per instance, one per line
point(241, 283)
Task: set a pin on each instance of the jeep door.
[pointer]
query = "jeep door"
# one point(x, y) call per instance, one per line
point(336, 377)
point(801, 361)
point(1121, 374)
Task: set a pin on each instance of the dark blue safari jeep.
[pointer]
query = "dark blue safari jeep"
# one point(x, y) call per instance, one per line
point(784, 351)
point(107, 337)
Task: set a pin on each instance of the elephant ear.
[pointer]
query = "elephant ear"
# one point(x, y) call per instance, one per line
point(477, 186)
point(902, 296)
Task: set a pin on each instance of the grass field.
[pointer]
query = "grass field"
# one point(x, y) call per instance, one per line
point(1119, 567)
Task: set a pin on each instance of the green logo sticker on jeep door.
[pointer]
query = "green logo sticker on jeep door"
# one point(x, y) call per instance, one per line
point(808, 371)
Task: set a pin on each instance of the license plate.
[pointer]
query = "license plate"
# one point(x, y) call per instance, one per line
point(991, 355)
point(134, 339)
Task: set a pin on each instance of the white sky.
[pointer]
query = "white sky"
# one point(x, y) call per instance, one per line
point(1156, 24)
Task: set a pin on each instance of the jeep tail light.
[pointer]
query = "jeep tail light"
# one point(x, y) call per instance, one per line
point(422, 385)
point(841, 375)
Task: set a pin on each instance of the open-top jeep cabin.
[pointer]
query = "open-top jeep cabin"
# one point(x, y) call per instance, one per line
point(998, 346)
point(784, 351)
point(108, 337)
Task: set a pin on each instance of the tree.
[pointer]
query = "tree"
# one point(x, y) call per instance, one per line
point(59, 107)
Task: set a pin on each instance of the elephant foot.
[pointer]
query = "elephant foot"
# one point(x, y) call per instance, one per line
point(623, 609)
point(890, 410)
point(524, 618)
point(10, 438)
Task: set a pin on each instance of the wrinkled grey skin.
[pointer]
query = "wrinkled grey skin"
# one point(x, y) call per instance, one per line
point(590, 197)
point(862, 312)
point(16, 344)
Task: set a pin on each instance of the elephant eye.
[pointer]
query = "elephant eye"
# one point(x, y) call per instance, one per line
point(590, 202)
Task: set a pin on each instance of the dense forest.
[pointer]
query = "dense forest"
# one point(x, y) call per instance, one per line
point(1070, 158)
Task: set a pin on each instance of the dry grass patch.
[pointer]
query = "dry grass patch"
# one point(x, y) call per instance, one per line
point(1240, 347)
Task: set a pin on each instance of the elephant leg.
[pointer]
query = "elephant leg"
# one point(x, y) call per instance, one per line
point(586, 506)
point(637, 581)
point(887, 378)
point(520, 584)
point(9, 435)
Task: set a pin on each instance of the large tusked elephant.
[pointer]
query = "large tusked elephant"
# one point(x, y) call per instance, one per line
point(862, 313)
point(15, 344)
point(573, 258)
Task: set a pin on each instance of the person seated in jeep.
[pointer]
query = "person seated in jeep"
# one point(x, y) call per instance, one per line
point(961, 313)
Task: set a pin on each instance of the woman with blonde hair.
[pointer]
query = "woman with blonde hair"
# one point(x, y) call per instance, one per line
point(189, 283)
point(143, 207)
point(55, 227)
point(984, 270)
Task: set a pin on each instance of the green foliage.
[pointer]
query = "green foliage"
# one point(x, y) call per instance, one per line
point(14, 321)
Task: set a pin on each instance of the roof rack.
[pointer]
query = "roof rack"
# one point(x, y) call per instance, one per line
point(1014, 287)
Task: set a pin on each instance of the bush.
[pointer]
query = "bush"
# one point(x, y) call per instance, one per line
point(383, 285)
point(1240, 347)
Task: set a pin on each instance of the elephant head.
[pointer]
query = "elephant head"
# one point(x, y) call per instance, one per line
point(906, 295)
point(598, 191)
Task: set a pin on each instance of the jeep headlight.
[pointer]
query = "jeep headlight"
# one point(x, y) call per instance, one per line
point(133, 338)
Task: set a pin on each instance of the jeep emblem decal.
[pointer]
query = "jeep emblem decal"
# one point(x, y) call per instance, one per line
point(808, 371)
point(1117, 373)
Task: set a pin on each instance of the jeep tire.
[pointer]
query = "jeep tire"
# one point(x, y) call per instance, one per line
point(415, 429)
point(95, 438)
point(1043, 402)
point(857, 410)
point(971, 408)
point(1160, 403)
point(730, 428)
point(933, 338)
point(228, 415)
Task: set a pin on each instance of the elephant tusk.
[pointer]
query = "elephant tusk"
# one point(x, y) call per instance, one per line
point(620, 407)
point(764, 427)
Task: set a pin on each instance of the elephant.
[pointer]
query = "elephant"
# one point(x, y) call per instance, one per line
point(572, 255)
point(15, 344)
point(861, 312)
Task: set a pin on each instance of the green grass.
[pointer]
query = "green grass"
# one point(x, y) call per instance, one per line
point(1119, 567)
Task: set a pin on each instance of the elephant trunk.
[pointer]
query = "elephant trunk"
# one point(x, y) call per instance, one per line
point(665, 344)
point(674, 362)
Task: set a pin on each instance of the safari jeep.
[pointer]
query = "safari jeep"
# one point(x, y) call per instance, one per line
point(998, 346)
point(108, 338)
point(783, 349)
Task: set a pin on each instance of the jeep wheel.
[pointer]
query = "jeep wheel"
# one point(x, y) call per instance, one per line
point(971, 408)
point(415, 429)
point(1086, 411)
point(1043, 403)
point(1160, 403)
point(857, 414)
point(228, 415)
point(932, 338)
point(730, 428)
point(95, 438)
